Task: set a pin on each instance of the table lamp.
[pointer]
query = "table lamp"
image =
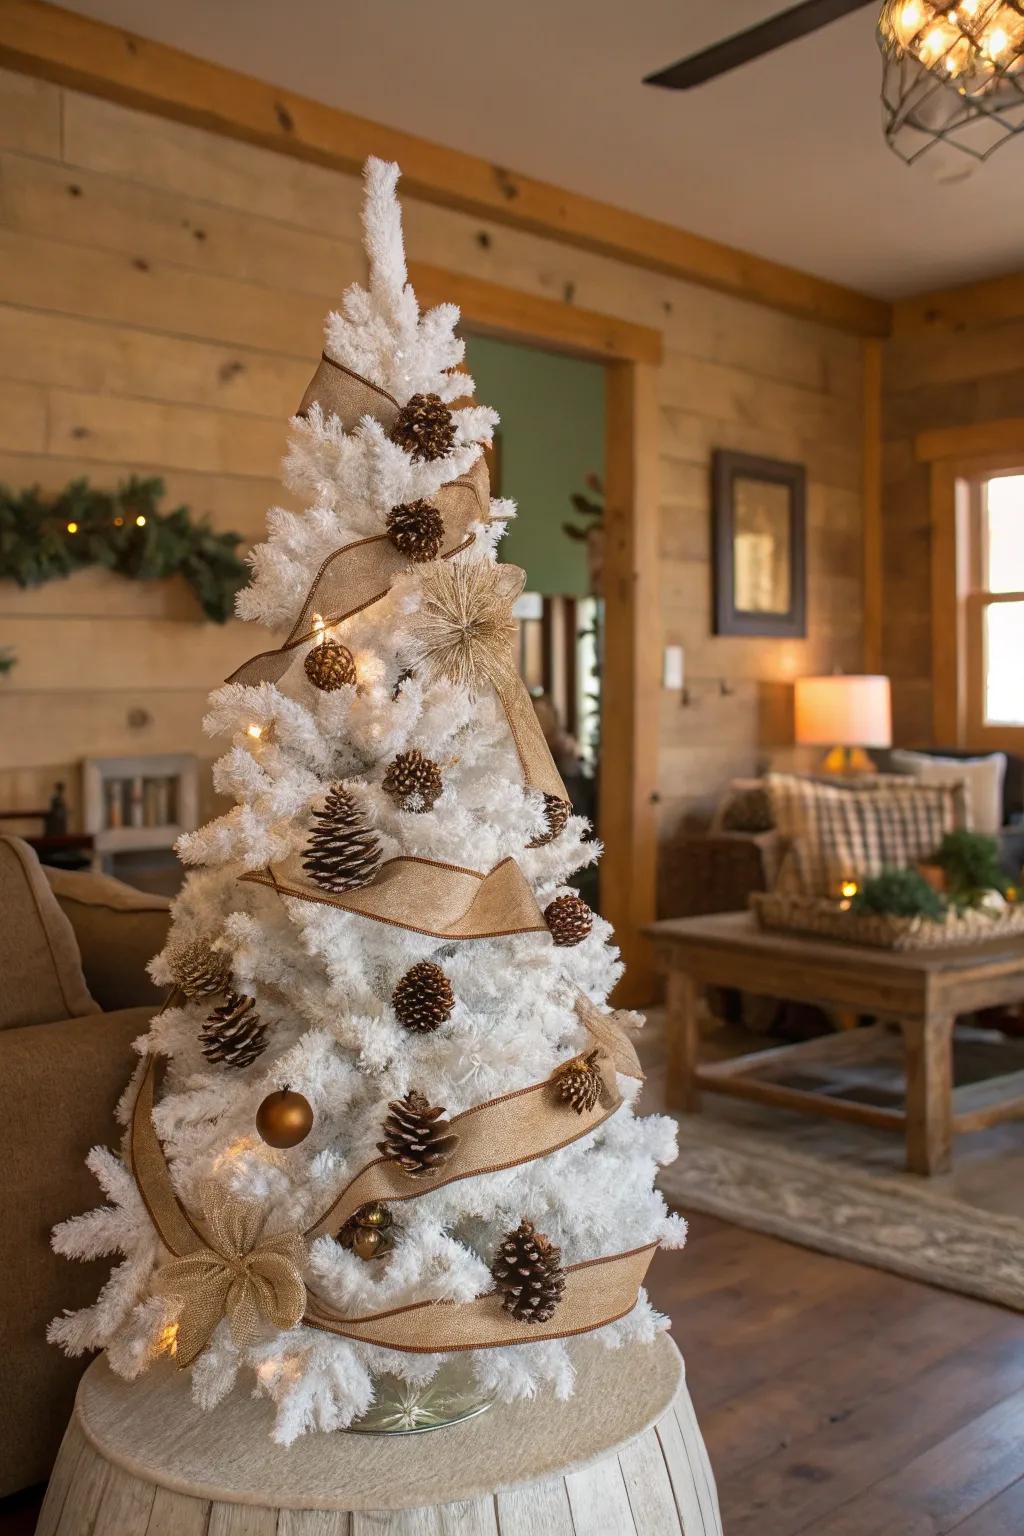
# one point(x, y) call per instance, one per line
point(845, 714)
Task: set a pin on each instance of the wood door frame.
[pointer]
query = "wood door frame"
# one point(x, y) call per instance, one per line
point(628, 808)
point(956, 456)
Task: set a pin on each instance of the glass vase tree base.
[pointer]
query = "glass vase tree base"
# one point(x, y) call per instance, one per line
point(406, 1408)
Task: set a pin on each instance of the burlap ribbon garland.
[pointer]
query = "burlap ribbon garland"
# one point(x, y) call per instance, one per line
point(225, 1264)
point(360, 574)
point(442, 901)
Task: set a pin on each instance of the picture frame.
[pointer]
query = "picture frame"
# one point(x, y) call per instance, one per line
point(759, 546)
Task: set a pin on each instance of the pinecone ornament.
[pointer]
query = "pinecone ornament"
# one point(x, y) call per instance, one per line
point(199, 969)
point(417, 1135)
point(330, 665)
point(424, 998)
point(367, 1233)
point(527, 1268)
point(414, 781)
point(556, 813)
point(343, 851)
point(579, 1082)
point(425, 428)
point(233, 1035)
point(569, 919)
point(416, 529)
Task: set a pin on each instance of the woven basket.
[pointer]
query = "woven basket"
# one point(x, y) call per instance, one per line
point(824, 919)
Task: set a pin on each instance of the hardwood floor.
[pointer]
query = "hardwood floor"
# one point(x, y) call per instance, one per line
point(843, 1401)
point(835, 1400)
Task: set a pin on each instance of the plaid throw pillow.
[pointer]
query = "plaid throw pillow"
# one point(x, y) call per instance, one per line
point(854, 830)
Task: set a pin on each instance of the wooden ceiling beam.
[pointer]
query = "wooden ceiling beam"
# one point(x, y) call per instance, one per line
point(995, 301)
point(59, 45)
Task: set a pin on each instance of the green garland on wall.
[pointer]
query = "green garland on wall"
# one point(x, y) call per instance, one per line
point(44, 538)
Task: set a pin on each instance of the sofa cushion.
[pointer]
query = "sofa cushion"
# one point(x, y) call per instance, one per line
point(39, 960)
point(119, 930)
point(69, 1077)
point(982, 776)
point(855, 829)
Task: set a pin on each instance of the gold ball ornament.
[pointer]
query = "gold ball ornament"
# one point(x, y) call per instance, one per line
point(284, 1118)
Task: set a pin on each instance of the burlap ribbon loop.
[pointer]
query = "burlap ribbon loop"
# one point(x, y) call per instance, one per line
point(597, 1292)
point(340, 392)
point(358, 575)
point(252, 1279)
point(502, 1133)
point(443, 901)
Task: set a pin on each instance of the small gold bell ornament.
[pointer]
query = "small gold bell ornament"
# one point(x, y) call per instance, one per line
point(367, 1233)
point(284, 1118)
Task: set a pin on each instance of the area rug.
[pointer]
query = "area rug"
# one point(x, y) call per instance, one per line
point(890, 1222)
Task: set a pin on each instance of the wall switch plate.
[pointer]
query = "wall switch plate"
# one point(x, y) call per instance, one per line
point(674, 668)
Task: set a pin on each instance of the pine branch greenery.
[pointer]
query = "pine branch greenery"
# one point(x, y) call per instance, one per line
point(970, 863)
point(899, 893)
point(44, 538)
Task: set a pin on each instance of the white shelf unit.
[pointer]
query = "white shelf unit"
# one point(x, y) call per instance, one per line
point(139, 804)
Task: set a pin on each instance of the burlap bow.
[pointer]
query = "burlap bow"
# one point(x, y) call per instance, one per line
point(252, 1280)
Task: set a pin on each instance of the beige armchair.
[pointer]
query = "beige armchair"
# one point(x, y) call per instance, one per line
point(74, 994)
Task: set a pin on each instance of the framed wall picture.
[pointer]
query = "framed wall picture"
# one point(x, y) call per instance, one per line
point(759, 543)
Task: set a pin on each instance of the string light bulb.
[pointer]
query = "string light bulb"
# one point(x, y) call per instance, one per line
point(72, 527)
point(140, 521)
point(953, 74)
point(255, 731)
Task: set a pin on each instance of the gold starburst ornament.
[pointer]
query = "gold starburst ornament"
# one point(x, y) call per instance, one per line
point(465, 626)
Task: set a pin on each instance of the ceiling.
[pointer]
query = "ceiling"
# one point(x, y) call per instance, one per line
point(784, 157)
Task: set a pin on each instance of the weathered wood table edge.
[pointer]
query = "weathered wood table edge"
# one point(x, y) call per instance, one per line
point(624, 1457)
point(922, 991)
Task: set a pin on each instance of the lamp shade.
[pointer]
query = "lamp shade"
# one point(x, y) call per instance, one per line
point(843, 711)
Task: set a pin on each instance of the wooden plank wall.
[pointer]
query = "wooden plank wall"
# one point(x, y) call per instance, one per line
point(939, 372)
point(161, 297)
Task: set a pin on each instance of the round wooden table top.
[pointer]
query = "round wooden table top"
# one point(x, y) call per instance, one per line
point(152, 1430)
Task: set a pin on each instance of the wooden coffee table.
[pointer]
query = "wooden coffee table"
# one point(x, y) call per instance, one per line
point(922, 991)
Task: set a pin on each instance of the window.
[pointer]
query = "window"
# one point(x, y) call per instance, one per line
point(995, 613)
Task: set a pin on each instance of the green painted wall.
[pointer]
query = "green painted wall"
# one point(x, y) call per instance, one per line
point(552, 437)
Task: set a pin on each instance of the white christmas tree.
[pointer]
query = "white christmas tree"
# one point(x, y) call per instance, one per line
point(395, 1115)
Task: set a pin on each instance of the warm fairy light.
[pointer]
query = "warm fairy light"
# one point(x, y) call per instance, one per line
point(911, 16)
point(849, 888)
point(72, 527)
point(996, 42)
point(933, 42)
point(233, 1151)
point(167, 1342)
point(320, 627)
point(140, 521)
point(255, 731)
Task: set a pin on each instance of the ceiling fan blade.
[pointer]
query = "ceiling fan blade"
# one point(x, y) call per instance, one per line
point(768, 35)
